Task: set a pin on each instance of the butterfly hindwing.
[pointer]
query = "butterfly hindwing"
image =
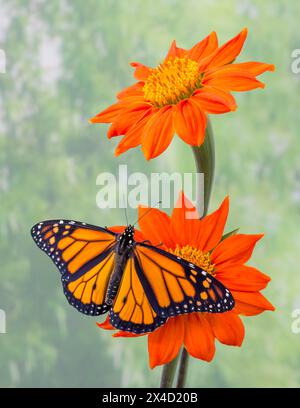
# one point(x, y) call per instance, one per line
point(85, 256)
point(175, 286)
point(132, 310)
point(87, 291)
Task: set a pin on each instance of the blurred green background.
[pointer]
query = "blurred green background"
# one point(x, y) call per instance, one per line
point(65, 62)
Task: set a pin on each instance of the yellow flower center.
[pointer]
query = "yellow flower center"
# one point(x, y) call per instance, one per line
point(195, 256)
point(173, 80)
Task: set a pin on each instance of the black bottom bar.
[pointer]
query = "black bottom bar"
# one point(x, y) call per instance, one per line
point(137, 396)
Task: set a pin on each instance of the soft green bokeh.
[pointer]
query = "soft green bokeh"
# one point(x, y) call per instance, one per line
point(65, 62)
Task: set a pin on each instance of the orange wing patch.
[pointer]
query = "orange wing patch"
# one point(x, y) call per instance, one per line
point(166, 277)
point(87, 293)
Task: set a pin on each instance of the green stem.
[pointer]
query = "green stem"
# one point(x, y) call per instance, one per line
point(183, 369)
point(205, 163)
point(168, 373)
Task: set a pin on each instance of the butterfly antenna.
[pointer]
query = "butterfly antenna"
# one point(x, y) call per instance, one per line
point(126, 216)
point(125, 210)
point(147, 212)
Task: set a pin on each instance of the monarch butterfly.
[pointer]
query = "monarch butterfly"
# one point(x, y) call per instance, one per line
point(140, 285)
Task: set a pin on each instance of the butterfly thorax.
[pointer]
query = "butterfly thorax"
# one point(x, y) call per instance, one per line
point(125, 243)
point(125, 240)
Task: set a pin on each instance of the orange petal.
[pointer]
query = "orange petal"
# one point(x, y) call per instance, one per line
point(141, 71)
point(108, 114)
point(106, 324)
point(214, 100)
point(184, 221)
point(204, 63)
point(190, 122)
point(230, 50)
point(156, 226)
point(236, 249)
point(253, 68)
point(242, 278)
point(250, 303)
point(175, 51)
point(164, 343)
point(130, 140)
point(211, 228)
point(133, 138)
point(132, 90)
point(227, 327)
point(117, 228)
point(204, 48)
point(229, 79)
point(139, 236)
point(127, 118)
point(198, 337)
point(158, 133)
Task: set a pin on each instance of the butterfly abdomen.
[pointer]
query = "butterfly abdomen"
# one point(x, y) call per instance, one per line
point(113, 285)
point(125, 243)
point(116, 277)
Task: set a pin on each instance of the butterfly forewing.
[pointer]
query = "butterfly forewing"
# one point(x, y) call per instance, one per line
point(71, 244)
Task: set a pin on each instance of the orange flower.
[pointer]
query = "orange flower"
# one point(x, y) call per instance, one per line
point(200, 242)
point(177, 94)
